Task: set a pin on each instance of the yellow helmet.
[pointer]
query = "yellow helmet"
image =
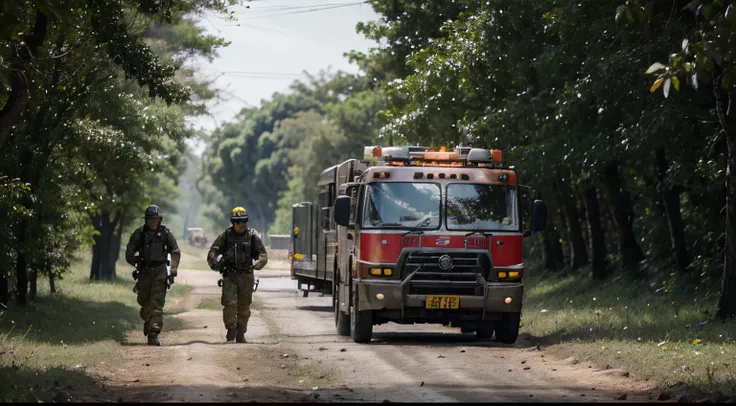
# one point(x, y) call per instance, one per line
point(238, 213)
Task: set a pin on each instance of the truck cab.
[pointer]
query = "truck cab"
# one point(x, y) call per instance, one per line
point(429, 236)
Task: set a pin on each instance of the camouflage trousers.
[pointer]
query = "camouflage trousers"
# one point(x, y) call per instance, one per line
point(152, 297)
point(237, 295)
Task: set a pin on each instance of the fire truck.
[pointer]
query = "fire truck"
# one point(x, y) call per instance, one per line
point(413, 235)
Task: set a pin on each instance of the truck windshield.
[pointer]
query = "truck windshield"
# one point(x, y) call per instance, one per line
point(402, 205)
point(481, 207)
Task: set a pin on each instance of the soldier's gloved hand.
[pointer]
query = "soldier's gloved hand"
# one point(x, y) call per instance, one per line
point(215, 265)
point(173, 272)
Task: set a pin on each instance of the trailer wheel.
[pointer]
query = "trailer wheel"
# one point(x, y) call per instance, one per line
point(507, 329)
point(342, 319)
point(361, 323)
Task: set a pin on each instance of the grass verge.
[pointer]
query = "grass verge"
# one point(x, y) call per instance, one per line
point(668, 338)
point(45, 348)
point(193, 257)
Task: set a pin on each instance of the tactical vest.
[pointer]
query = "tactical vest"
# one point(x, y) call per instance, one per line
point(238, 250)
point(154, 246)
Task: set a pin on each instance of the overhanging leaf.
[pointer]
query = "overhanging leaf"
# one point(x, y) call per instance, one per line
point(655, 67)
point(676, 83)
point(619, 12)
point(685, 42)
point(666, 88)
point(656, 85)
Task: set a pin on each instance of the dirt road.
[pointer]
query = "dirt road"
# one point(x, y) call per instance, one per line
point(295, 355)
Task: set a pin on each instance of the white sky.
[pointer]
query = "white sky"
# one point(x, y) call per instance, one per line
point(276, 41)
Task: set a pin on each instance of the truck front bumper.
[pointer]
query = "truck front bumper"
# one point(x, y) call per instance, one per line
point(384, 295)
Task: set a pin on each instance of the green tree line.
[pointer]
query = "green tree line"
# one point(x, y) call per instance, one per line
point(93, 100)
point(617, 113)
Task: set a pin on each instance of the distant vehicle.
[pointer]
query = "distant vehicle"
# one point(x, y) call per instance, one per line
point(197, 237)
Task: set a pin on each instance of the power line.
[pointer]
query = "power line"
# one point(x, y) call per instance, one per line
point(287, 7)
point(309, 10)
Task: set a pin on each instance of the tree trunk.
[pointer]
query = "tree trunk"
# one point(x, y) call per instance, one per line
point(94, 269)
point(52, 283)
point(727, 116)
point(104, 252)
point(33, 279)
point(21, 264)
point(671, 201)
point(596, 235)
point(623, 219)
point(4, 286)
point(565, 236)
point(20, 94)
point(553, 256)
point(578, 253)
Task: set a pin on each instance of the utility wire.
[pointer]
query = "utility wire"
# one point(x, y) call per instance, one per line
point(287, 7)
point(310, 10)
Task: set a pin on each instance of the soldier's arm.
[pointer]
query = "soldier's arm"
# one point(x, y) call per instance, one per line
point(132, 247)
point(262, 255)
point(215, 250)
point(174, 251)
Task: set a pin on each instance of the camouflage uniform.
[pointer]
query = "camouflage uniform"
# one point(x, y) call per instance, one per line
point(237, 265)
point(152, 247)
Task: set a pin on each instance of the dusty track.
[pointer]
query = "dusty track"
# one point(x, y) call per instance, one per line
point(295, 355)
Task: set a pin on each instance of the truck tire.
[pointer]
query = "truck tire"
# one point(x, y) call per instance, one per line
point(484, 330)
point(342, 320)
point(507, 329)
point(361, 323)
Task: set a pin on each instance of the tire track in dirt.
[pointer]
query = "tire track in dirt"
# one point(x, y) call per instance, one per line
point(433, 363)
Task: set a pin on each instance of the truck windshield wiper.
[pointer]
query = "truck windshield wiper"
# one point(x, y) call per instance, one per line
point(484, 233)
point(418, 228)
point(412, 231)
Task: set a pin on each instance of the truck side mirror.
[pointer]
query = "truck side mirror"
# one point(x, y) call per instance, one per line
point(342, 210)
point(539, 218)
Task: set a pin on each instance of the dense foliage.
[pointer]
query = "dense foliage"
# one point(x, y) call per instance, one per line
point(93, 97)
point(634, 181)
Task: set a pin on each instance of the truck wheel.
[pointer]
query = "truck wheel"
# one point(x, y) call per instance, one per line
point(507, 329)
point(361, 323)
point(484, 330)
point(342, 320)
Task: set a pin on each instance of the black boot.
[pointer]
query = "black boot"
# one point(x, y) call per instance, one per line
point(231, 332)
point(153, 338)
point(145, 329)
point(240, 337)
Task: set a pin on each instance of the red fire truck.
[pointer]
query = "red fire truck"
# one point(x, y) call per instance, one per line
point(412, 235)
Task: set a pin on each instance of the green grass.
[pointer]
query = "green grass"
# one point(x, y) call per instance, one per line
point(210, 304)
point(193, 257)
point(669, 338)
point(57, 336)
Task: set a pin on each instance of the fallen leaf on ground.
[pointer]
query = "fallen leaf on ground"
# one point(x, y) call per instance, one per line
point(440, 356)
point(342, 350)
point(421, 384)
point(527, 368)
point(523, 362)
point(322, 348)
point(189, 359)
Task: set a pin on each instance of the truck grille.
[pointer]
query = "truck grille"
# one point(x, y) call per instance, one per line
point(461, 279)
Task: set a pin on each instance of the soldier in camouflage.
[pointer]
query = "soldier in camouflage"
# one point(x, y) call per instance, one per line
point(240, 251)
point(152, 243)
